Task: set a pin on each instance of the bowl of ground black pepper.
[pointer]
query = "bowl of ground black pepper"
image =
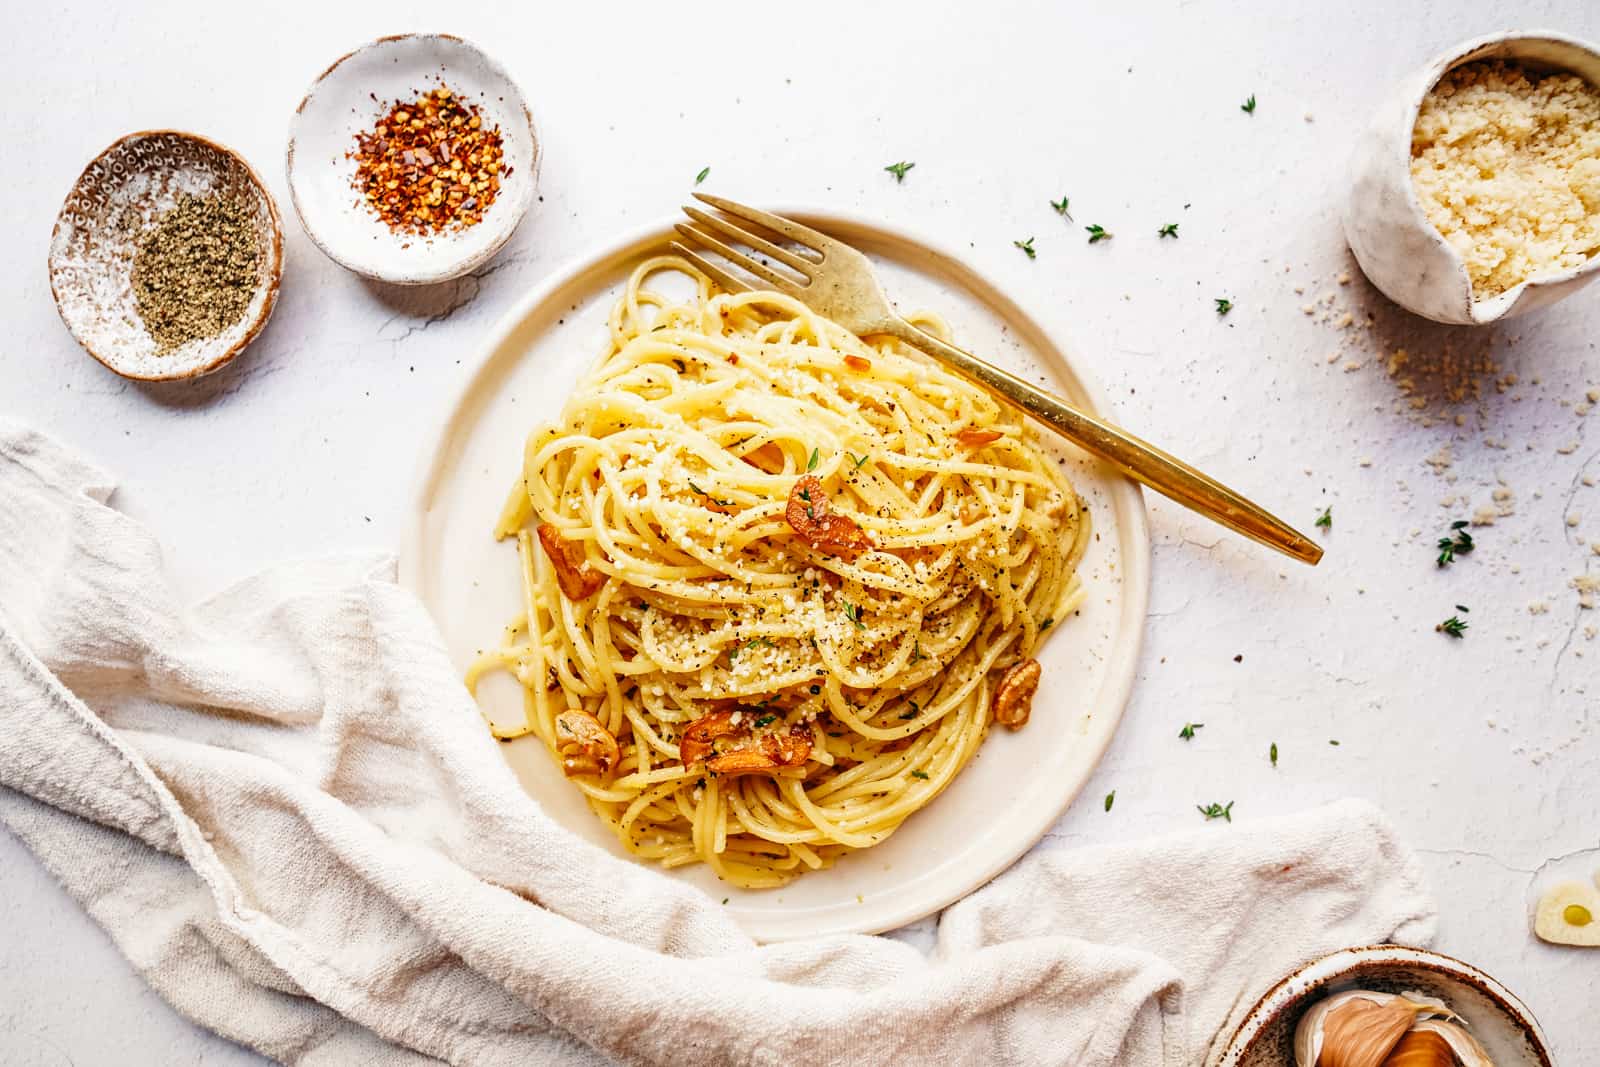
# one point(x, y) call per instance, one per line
point(412, 160)
point(166, 256)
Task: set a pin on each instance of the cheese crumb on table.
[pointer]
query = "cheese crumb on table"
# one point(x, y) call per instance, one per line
point(1507, 167)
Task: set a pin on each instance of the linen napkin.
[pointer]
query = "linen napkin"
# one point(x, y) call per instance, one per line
point(283, 807)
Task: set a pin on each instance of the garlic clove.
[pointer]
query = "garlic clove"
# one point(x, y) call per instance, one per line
point(1463, 1047)
point(1358, 1028)
point(1421, 1048)
point(1569, 914)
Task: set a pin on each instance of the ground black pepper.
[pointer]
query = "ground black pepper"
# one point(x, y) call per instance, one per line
point(195, 273)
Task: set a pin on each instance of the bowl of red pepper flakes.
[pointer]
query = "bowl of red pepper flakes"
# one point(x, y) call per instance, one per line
point(412, 159)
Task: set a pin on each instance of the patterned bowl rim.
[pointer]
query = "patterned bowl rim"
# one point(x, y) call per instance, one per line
point(275, 250)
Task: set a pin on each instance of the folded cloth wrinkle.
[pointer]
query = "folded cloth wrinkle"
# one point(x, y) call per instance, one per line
point(282, 806)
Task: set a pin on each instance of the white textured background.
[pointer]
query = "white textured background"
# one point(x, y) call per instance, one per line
point(1484, 751)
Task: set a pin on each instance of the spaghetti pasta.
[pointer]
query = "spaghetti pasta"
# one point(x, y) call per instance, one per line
point(775, 577)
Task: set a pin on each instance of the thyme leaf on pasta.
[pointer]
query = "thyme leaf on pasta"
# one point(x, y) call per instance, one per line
point(708, 496)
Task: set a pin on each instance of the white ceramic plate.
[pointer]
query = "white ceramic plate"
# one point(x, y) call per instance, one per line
point(1017, 785)
point(347, 99)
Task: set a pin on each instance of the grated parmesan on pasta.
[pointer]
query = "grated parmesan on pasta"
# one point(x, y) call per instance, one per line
point(1507, 167)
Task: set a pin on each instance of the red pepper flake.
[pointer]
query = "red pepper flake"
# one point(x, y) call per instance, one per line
point(430, 164)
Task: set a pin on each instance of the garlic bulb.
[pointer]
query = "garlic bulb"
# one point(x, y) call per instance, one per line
point(1358, 1028)
point(1438, 1043)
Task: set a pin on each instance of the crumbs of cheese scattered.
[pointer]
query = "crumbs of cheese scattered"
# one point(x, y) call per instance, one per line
point(1507, 167)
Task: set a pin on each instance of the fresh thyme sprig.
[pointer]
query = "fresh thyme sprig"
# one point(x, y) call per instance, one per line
point(1456, 543)
point(698, 178)
point(899, 170)
point(1325, 520)
point(1027, 247)
point(1187, 733)
point(1061, 208)
point(1098, 233)
point(1249, 106)
point(1169, 230)
point(1224, 305)
point(1214, 810)
point(1454, 626)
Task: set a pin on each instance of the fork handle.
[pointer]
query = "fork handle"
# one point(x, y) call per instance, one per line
point(1140, 460)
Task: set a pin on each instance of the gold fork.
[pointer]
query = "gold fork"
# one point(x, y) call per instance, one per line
point(839, 284)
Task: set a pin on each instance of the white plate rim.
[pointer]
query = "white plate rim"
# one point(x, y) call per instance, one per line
point(1127, 500)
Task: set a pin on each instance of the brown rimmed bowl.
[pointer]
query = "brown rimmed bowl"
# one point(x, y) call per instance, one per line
point(1501, 1023)
point(118, 198)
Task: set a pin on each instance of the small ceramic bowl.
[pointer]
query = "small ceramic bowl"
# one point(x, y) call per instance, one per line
point(1502, 1024)
point(348, 98)
point(118, 198)
point(1398, 248)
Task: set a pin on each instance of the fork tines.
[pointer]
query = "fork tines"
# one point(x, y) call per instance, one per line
point(708, 231)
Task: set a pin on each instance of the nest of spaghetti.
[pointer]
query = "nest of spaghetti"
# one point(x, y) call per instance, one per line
point(779, 580)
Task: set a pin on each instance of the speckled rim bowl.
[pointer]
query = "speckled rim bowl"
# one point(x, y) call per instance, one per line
point(347, 99)
point(119, 196)
point(1398, 248)
point(1502, 1024)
